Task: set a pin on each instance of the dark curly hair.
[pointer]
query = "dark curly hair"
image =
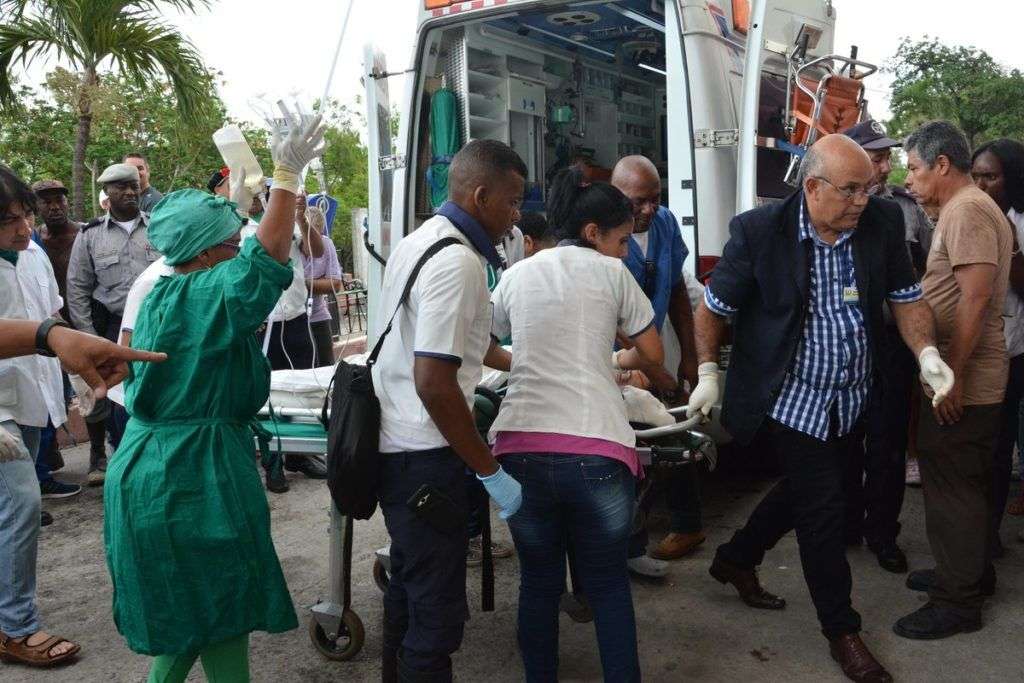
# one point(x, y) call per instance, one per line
point(1011, 157)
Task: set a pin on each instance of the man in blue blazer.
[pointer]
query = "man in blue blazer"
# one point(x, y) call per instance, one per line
point(803, 283)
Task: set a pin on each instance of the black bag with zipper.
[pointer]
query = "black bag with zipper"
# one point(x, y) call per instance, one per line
point(353, 427)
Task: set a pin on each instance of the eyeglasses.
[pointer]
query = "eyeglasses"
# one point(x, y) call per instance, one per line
point(849, 192)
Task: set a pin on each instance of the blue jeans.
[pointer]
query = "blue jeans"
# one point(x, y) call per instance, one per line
point(19, 535)
point(585, 500)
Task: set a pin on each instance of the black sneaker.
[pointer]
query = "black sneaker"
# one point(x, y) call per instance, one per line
point(933, 622)
point(51, 488)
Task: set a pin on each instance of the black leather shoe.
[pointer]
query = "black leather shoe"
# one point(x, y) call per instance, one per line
point(891, 557)
point(933, 622)
point(746, 583)
point(923, 579)
point(276, 483)
point(313, 466)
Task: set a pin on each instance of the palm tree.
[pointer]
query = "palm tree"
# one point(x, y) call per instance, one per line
point(124, 34)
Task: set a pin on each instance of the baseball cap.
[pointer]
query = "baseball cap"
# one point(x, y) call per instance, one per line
point(871, 135)
point(49, 186)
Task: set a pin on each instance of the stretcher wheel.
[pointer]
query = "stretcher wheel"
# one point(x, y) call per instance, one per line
point(348, 643)
point(381, 577)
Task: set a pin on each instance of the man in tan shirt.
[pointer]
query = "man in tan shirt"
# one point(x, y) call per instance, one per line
point(966, 281)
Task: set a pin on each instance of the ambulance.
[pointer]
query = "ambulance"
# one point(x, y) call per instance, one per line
point(589, 82)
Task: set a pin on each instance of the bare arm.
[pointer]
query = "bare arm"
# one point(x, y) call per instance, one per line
point(709, 332)
point(916, 323)
point(976, 289)
point(681, 315)
point(325, 285)
point(101, 363)
point(438, 388)
point(647, 354)
point(497, 357)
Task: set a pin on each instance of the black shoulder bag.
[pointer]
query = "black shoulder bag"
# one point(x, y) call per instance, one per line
point(353, 428)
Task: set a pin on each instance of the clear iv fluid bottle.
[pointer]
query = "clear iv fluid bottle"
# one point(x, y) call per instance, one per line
point(237, 155)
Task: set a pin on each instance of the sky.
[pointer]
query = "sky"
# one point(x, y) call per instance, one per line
point(287, 53)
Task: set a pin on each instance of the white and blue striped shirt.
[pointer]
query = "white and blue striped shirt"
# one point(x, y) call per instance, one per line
point(832, 368)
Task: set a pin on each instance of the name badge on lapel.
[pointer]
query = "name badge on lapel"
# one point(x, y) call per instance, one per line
point(850, 295)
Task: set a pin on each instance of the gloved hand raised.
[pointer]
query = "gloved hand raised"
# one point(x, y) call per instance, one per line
point(293, 153)
point(505, 490)
point(705, 395)
point(936, 374)
point(240, 192)
point(10, 447)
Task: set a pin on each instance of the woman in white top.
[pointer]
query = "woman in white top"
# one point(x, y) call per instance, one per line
point(998, 169)
point(562, 430)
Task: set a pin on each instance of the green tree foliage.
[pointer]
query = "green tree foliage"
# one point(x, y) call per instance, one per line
point(345, 169)
point(964, 85)
point(126, 34)
point(37, 134)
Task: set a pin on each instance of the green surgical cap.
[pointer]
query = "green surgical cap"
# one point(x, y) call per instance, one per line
point(186, 222)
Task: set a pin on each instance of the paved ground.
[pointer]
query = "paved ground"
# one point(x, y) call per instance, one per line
point(690, 628)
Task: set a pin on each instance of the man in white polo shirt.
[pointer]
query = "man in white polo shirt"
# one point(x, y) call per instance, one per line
point(425, 377)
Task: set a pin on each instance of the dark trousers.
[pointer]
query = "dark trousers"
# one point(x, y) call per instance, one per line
point(290, 344)
point(323, 347)
point(587, 501)
point(1002, 465)
point(876, 477)
point(682, 497)
point(425, 605)
point(810, 499)
point(108, 324)
point(956, 476)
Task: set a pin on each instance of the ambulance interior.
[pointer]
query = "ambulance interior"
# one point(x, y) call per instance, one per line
point(562, 85)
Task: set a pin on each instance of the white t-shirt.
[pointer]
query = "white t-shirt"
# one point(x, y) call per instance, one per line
point(514, 246)
point(141, 288)
point(31, 387)
point(642, 239)
point(448, 316)
point(562, 308)
point(127, 226)
point(292, 303)
point(1013, 307)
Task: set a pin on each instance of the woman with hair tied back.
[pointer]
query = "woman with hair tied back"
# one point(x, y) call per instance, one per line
point(562, 430)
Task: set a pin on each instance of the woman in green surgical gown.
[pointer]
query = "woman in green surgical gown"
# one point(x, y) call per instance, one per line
point(187, 526)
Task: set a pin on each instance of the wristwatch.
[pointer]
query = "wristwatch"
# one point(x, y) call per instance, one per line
point(42, 347)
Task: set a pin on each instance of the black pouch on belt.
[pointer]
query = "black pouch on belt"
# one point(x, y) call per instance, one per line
point(437, 509)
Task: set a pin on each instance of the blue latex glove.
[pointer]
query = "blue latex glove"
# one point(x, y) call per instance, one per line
point(505, 490)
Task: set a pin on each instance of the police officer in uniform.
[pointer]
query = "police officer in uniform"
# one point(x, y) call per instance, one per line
point(875, 486)
point(108, 254)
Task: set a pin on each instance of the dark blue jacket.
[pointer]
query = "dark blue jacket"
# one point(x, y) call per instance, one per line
point(764, 272)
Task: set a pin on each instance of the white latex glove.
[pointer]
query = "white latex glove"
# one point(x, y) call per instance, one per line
point(615, 360)
point(241, 194)
point(293, 153)
point(10, 447)
point(705, 395)
point(935, 373)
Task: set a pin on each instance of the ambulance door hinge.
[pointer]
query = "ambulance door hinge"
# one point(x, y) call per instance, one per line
point(706, 137)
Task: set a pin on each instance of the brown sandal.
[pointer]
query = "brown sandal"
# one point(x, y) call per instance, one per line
point(1016, 508)
point(17, 650)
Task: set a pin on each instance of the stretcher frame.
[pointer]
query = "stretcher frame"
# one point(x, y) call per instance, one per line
point(335, 629)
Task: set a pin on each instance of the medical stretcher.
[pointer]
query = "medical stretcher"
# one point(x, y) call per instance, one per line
point(335, 629)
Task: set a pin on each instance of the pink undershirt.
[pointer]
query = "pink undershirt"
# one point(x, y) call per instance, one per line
point(548, 442)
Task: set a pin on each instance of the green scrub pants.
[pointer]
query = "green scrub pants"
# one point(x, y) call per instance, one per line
point(225, 662)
